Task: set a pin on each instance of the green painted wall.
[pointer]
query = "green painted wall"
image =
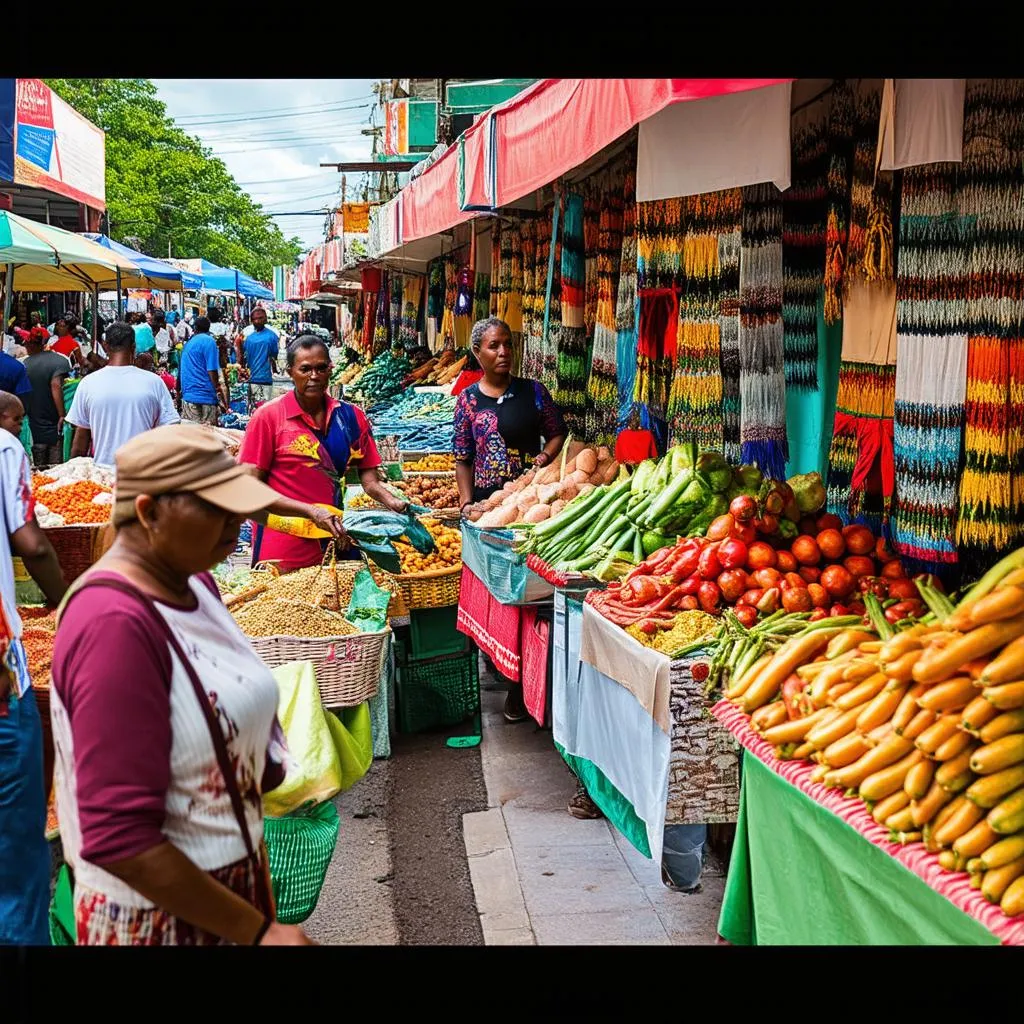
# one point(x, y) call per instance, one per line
point(476, 97)
point(422, 124)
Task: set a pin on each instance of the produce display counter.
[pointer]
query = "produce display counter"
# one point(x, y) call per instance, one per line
point(811, 867)
point(638, 738)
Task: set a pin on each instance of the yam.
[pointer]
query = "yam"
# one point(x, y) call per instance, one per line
point(587, 461)
point(569, 491)
point(547, 493)
point(603, 454)
point(522, 482)
point(527, 498)
point(578, 477)
point(611, 471)
point(597, 477)
point(537, 514)
point(557, 506)
point(549, 474)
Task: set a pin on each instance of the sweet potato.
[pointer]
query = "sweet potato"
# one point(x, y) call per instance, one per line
point(537, 513)
point(586, 461)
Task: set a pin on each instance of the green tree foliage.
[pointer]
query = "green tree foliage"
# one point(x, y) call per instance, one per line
point(164, 186)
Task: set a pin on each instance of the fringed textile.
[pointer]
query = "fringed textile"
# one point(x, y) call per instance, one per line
point(412, 292)
point(573, 261)
point(481, 297)
point(869, 243)
point(840, 144)
point(451, 291)
point(931, 324)
point(695, 400)
point(627, 309)
point(396, 283)
point(382, 317)
point(509, 281)
point(551, 339)
point(762, 377)
point(569, 337)
point(804, 213)
point(533, 299)
point(992, 203)
point(591, 233)
point(729, 243)
point(435, 289)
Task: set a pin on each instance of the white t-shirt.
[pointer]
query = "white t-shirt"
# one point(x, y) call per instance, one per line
point(116, 404)
point(15, 491)
point(163, 341)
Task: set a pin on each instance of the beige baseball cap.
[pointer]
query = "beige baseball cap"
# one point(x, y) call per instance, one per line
point(182, 457)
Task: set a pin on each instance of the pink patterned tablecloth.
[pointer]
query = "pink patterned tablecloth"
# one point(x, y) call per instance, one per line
point(955, 887)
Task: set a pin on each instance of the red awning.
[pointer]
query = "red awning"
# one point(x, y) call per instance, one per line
point(539, 135)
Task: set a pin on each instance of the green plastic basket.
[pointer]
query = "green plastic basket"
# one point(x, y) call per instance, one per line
point(433, 632)
point(300, 847)
point(437, 692)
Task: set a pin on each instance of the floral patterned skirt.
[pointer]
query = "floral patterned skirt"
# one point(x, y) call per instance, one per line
point(101, 921)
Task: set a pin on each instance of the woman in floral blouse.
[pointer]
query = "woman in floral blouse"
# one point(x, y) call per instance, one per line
point(502, 423)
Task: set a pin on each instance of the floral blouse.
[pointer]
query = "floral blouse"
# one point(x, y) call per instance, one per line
point(498, 435)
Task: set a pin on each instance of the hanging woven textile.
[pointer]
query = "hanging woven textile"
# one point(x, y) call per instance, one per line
point(729, 242)
point(435, 290)
point(840, 146)
point(861, 470)
point(371, 282)
point(481, 297)
point(551, 310)
point(804, 213)
point(627, 315)
point(396, 284)
point(592, 203)
point(412, 293)
point(382, 316)
point(695, 401)
point(659, 246)
point(762, 377)
point(509, 290)
point(451, 291)
point(492, 303)
point(533, 300)
point(930, 370)
point(602, 387)
point(869, 244)
point(571, 352)
point(991, 201)
point(464, 306)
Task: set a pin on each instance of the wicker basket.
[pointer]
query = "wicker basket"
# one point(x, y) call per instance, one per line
point(436, 589)
point(78, 547)
point(348, 668)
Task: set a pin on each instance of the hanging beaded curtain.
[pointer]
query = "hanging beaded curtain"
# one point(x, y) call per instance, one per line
point(396, 283)
point(571, 353)
point(804, 213)
point(729, 242)
point(840, 142)
point(627, 315)
point(592, 199)
point(930, 370)
point(412, 293)
point(508, 290)
point(991, 200)
point(551, 338)
point(533, 312)
point(696, 400)
point(602, 388)
point(659, 268)
point(762, 377)
point(382, 317)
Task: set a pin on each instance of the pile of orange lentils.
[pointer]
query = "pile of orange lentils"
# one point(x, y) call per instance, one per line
point(39, 651)
point(72, 501)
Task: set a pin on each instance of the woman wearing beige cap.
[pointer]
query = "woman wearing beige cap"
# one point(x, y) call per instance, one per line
point(164, 721)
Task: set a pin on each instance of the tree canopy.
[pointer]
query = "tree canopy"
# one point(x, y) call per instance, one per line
point(164, 186)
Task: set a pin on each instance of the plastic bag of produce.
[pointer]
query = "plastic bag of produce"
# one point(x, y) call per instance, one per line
point(315, 772)
point(352, 732)
point(368, 606)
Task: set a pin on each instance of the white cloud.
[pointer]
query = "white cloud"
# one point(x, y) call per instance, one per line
point(270, 130)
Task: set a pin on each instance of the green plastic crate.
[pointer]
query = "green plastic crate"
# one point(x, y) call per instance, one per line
point(432, 632)
point(437, 692)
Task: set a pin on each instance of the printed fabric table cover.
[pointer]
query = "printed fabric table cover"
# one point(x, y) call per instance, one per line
point(489, 556)
point(811, 867)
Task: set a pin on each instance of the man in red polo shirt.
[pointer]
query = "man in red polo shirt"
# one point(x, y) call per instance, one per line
point(302, 444)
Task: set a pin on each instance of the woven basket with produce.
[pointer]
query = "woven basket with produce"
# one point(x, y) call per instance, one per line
point(432, 580)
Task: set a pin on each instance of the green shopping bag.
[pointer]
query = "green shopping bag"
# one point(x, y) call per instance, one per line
point(62, 911)
point(299, 850)
point(352, 733)
point(70, 386)
point(26, 437)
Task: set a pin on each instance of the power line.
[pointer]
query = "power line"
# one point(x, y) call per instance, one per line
point(301, 106)
point(273, 117)
point(255, 135)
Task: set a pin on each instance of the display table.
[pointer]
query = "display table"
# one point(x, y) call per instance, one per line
point(811, 867)
point(641, 774)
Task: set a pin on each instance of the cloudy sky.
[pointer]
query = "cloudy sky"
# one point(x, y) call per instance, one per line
point(273, 133)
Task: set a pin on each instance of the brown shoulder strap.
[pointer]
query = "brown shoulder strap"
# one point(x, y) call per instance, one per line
point(216, 734)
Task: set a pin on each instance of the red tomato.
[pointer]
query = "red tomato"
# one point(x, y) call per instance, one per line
point(810, 573)
point(817, 614)
point(721, 527)
point(832, 545)
point(786, 562)
point(745, 532)
point(837, 581)
point(767, 578)
point(689, 603)
point(732, 583)
point(767, 525)
point(859, 540)
point(805, 550)
point(709, 566)
point(827, 521)
point(732, 554)
point(907, 609)
point(743, 508)
point(856, 607)
point(838, 609)
point(794, 579)
point(691, 584)
point(746, 614)
point(761, 555)
point(709, 596)
point(796, 599)
point(883, 552)
point(904, 589)
point(819, 595)
point(859, 565)
point(893, 570)
point(752, 596)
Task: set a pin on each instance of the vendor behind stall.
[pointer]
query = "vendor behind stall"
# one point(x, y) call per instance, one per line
point(301, 445)
point(501, 421)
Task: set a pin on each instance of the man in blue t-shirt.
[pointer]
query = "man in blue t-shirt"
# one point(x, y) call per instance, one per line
point(258, 353)
point(199, 376)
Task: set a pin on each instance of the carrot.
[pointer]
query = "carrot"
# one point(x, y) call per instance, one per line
point(977, 714)
point(921, 721)
point(739, 687)
point(940, 664)
point(995, 607)
point(926, 809)
point(768, 715)
point(881, 709)
point(826, 733)
point(952, 695)
point(886, 753)
point(903, 666)
point(846, 750)
point(907, 708)
point(862, 692)
point(794, 731)
point(936, 734)
point(888, 806)
point(848, 640)
point(883, 783)
point(798, 650)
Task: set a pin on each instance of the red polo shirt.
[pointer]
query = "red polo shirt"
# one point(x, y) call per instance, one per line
point(281, 439)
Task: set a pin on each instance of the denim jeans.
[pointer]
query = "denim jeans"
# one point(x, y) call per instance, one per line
point(683, 853)
point(24, 855)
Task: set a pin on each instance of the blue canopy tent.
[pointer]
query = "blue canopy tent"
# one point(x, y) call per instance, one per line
point(217, 279)
point(251, 288)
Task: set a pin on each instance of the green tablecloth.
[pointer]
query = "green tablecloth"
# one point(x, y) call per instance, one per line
point(801, 876)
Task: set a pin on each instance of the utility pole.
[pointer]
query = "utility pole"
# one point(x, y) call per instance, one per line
point(342, 221)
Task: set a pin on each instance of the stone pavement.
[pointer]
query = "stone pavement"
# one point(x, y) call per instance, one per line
point(541, 877)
